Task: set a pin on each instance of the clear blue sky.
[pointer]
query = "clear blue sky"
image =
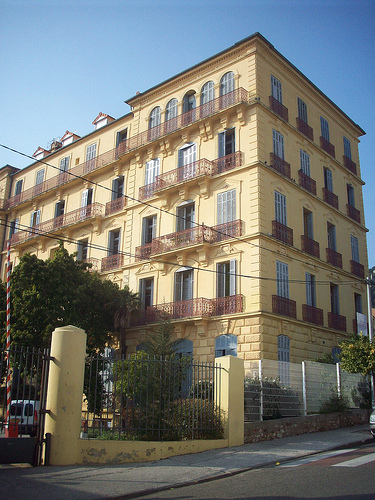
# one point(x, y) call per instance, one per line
point(63, 62)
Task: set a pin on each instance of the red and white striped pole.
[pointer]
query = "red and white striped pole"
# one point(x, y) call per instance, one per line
point(9, 385)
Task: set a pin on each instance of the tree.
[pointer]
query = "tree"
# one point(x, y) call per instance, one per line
point(62, 291)
point(358, 356)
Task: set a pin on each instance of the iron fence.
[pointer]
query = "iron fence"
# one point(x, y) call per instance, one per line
point(275, 389)
point(149, 398)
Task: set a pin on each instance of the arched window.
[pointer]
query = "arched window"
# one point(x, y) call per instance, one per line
point(188, 108)
point(226, 345)
point(171, 115)
point(227, 83)
point(153, 124)
point(283, 356)
point(207, 98)
point(185, 348)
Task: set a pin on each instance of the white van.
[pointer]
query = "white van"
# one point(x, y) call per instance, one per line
point(25, 412)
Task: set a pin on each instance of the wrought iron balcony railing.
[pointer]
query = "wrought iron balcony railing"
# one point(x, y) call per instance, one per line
point(238, 96)
point(350, 165)
point(49, 226)
point(336, 321)
point(357, 269)
point(307, 182)
point(305, 129)
point(115, 205)
point(310, 246)
point(191, 236)
point(282, 233)
point(193, 170)
point(312, 314)
point(112, 262)
point(191, 308)
point(280, 165)
point(353, 213)
point(278, 108)
point(327, 146)
point(215, 106)
point(331, 198)
point(284, 306)
point(95, 264)
point(334, 258)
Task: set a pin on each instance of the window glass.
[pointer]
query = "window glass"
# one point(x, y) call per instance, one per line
point(354, 248)
point(278, 144)
point(227, 83)
point(282, 279)
point(305, 162)
point(347, 148)
point(276, 89)
point(280, 208)
point(226, 345)
point(324, 128)
point(302, 110)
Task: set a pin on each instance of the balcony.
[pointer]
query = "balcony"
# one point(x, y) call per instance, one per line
point(330, 198)
point(115, 206)
point(282, 233)
point(353, 213)
point(278, 108)
point(327, 146)
point(191, 308)
point(112, 262)
point(280, 165)
point(76, 216)
point(188, 237)
point(305, 129)
point(312, 315)
point(284, 306)
point(357, 269)
point(350, 165)
point(237, 96)
point(307, 182)
point(336, 322)
point(95, 264)
point(310, 246)
point(334, 258)
point(199, 168)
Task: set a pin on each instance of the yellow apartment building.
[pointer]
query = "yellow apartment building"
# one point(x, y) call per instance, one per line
point(229, 197)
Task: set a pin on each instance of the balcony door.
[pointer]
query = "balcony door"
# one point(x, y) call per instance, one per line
point(187, 157)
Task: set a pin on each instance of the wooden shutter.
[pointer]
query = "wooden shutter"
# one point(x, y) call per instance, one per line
point(280, 208)
point(282, 279)
point(302, 110)
point(232, 277)
point(276, 89)
point(305, 162)
point(355, 248)
point(278, 144)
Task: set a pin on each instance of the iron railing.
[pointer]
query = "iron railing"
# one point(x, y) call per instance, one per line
point(282, 232)
point(305, 129)
point(151, 399)
point(74, 217)
point(200, 307)
point(115, 205)
point(357, 269)
point(334, 258)
point(278, 108)
point(336, 322)
point(350, 165)
point(327, 146)
point(312, 314)
point(307, 182)
point(331, 198)
point(353, 213)
point(112, 262)
point(310, 246)
point(284, 306)
point(280, 165)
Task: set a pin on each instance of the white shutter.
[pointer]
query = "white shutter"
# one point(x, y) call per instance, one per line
point(347, 148)
point(278, 144)
point(280, 208)
point(91, 152)
point(305, 162)
point(232, 278)
point(282, 279)
point(84, 199)
point(276, 89)
point(39, 177)
point(328, 180)
point(324, 128)
point(226, 206)
point(355, 248)
point(302, 110)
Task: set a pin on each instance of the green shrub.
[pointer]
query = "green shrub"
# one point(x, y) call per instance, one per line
point(334, 404)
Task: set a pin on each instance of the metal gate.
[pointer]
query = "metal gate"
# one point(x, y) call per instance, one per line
point(22, 437)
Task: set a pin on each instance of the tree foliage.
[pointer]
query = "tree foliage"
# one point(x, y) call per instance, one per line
point(358, 355)
point(46, 294)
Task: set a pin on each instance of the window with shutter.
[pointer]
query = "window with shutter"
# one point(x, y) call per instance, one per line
point(183, 284)
point(335, 306)
point(227, 142)
point(146, 292)
point(310, 290)
point(324, 128)
point(227, 83)
point(350, 191)
point(302, 110)
point(331, 236)
point(117, 187)
point(18, 188)
point(278, 144)
point(276, 91)
point(347, 148)
point(328, 184)
point(282, 279)
point(226, 278)
point(35, 218)
point(148, 229)
point(207, 93)
point(114, 242)
point(13, 228)
point(64, 164)
point(39, 177)
point(354, 248)
point(226, 207)
point(283, 356)
point(305, 162)
point(82, 249)
point(280, 208)
point(185, 216)
point(152, 171)
point(308, 229)
point(155, 117)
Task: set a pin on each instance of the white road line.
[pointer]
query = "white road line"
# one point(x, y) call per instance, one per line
point(314, 458)
point(355, 462)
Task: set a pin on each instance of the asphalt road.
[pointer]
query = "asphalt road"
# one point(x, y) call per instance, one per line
point(342, 474)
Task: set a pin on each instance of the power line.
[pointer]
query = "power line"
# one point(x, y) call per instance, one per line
point(197, 224)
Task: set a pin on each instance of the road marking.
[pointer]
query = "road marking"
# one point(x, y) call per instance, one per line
point(356, 462)
point(321, 456)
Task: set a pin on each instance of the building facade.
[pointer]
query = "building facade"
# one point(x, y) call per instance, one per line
point(229, 197)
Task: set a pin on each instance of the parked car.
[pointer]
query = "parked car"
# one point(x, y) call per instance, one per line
point(372, 424)
point(25, 413)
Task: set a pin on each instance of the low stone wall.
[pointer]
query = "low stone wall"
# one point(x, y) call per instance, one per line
point(284, 427)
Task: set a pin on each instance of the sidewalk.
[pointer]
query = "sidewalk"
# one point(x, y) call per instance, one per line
point(130, 480)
